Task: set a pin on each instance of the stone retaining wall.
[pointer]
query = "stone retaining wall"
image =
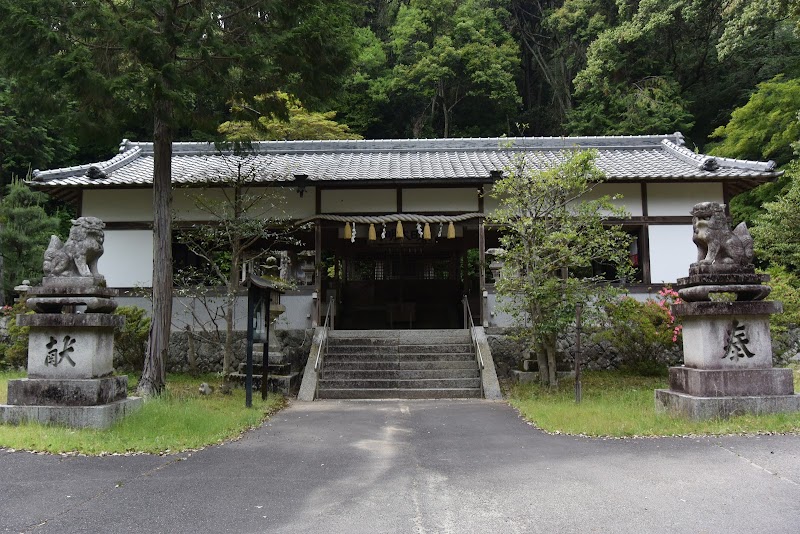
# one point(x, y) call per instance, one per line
point(508, 352)
point(295, 345)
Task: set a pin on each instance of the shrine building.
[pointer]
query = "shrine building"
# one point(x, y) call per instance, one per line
point(394, 230)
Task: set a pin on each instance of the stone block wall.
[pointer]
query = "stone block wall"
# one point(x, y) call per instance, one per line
point(508, 353)
point(295, 345)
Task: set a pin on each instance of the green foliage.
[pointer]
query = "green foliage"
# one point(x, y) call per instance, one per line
point(450, 68)
point(646, 106)
point(301, 124)
point(547, 228)
point(643, 333)
point(25, 229)
point(14, 348)
point(131, 339)
point(786, 289)
point(777, 230)
point(657, 68)
point(766, 126)
point(28, 140)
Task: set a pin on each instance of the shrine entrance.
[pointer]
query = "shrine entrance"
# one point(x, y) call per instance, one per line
point(403, 283)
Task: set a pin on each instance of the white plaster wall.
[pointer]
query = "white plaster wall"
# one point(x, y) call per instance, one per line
point(127, 260)
point(490, 204)
point(679, 199)
point(439, 199)
point(630, 196)
point(497, 317)
point(118, 205)
point(671, 252)
point(299, 311)
point(274, 203)
point(359, 201)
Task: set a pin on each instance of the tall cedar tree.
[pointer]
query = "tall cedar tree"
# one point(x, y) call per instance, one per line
point(181, 62)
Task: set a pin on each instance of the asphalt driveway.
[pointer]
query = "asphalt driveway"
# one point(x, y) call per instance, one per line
point(413, 466)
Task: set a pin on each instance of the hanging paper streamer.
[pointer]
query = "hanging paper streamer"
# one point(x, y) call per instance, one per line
point(440, 230)
point(399, 231)
point(419, 229)
point(451, 231)
point(426, 234)
point(383, 232)
point(353, 236)
point(371, 234)
point(347, 232)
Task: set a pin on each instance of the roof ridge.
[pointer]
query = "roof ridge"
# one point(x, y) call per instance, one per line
point(450, 143)
point(711, 163)
point(121, 159)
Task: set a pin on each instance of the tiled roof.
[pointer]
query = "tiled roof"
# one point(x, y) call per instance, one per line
point(420, 160)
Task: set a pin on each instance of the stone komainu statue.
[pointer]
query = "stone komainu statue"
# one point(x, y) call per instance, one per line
point(719, 250)
point(79, 255)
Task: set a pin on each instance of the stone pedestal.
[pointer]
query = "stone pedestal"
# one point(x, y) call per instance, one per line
point(70, 358)
point(727, 363)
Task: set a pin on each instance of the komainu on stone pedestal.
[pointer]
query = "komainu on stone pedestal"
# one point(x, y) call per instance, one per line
point(724, 259)
point(71, 341)
point(727, 348)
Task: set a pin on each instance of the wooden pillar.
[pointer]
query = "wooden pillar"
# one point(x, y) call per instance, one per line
point(317, 271)
point(644, 242)
point(484, 315)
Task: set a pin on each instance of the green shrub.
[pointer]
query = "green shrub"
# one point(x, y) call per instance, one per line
point(786, 289)
point(130, 340)
point(14, 348)
point(643, 333)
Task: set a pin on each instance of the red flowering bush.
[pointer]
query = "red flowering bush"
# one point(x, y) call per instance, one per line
point(645, 334)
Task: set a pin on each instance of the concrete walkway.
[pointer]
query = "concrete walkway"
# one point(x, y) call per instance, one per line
point(413, 466)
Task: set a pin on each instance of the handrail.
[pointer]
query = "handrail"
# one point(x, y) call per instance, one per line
point(324, 340)
point(469, 322)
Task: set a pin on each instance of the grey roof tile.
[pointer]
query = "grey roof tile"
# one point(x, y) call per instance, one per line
point(398, 160)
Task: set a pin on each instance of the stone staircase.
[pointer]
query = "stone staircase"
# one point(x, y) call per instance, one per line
point(399, 364)
point(282, 378)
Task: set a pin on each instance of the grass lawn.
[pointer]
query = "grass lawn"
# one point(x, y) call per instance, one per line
point(178, 420)
point(620, 405)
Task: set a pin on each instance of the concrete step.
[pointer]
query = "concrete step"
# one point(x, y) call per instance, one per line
point(394, 349)
point(452, 393)
point(362, 349)
point(442, 356)
point(362, 341)
point(399, 365)
point(342, 374)
point(411, 364)
point(394, 383)
point(439, 347)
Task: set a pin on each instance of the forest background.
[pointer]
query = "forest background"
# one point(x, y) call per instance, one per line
point(726, 73)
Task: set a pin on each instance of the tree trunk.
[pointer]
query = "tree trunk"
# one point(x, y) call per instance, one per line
point(227, 354)
point(192, 351)
point(552, 377)
point(237, 253)
point(154, 372)
point(541, 359)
